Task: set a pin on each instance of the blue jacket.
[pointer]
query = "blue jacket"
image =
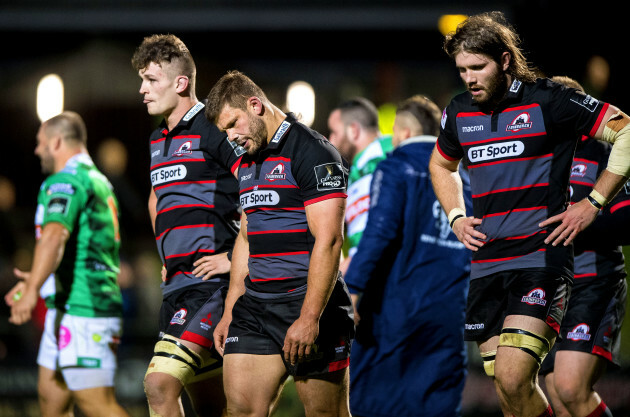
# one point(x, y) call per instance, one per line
point(408, 358)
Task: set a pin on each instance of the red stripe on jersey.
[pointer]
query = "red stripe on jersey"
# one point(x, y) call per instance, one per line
point(617, 206)
point(514, 211)
point(244, 190)
point(592, 274)
point(472, 114)
point(529, 135)
point(191, 226)
point(503, 190)
point(177, 161)
point(263, 232)
point(184, 183)
point(325, 197)
point(448, 158)
point(187, 137)
point(185, 206)
point(587, 161)
point(278, 158)
point(335, 366)
point(179, 255)
point(599, 120)
point(553, 324)
point(157, 140)
point(510, 160)
point(505, 259)
point(269, 279)
point(196, 338)
point(272, 209)
point(519, 237)
point(263, 255)
point(236, 165)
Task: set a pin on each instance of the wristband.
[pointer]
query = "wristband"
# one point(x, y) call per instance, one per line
point(600, 199)
point(594, 202)
point(455, 214)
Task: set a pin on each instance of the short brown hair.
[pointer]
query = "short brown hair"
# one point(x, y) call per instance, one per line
point(69, 125)
point(165, 49)
point(490, 34)
point(425, 111)
point(234, 88)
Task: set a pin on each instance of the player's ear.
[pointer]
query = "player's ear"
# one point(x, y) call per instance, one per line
point(182, 84)
point(506, 59)
point(256, 106)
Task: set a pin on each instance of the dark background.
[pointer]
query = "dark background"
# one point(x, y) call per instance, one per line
point(383, 50)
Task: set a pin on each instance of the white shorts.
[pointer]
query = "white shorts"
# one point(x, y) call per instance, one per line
point(82, 348)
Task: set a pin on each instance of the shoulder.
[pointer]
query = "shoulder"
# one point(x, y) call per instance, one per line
point(208, 130)
point(306, 140)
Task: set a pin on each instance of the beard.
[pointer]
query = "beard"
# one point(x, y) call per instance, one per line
point(494, 91)
point(258, 135)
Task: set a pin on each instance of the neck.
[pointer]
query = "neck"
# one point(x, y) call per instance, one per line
point(184, 104)
point(274, 117)
point(364, 141)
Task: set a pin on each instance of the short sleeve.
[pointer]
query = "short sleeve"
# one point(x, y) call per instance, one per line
point(576, 111)
point(448, 143)
point(320, 172)
point(62, 199)
point(227, 154)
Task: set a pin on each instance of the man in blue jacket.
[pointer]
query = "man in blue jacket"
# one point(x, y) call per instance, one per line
point(408, 281)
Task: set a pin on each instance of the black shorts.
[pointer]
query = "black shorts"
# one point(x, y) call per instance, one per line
point(592, 323)
point(259, 327)
point(192, 313)
point(533, 293)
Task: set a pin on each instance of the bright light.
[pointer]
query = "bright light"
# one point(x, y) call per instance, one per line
point(301, 101)
point(386, 116)
point(448, 22)
point(49, 97)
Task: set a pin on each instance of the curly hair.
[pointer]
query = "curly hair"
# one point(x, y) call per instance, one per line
point(490, 34)
point(234, 88)
point(162, 49)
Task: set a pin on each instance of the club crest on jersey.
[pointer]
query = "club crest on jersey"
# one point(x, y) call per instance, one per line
point(535, 296)
point(578, 170)
point(520, 122)
point(179, 317)
point(579, 332)
point(277, 173)
point(184, 149)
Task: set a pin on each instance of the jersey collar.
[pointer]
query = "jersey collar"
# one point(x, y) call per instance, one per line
point(281, 133)
point(187, 119)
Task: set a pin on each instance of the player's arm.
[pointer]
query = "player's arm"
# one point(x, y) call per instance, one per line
point(152, 208)
point(238, 272)
point(614, 128)
point(325, 221)
point(448, 188)
point(49, 251)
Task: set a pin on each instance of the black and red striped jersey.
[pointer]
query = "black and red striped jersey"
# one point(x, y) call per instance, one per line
point(197, 195)
point(519, 159)
point(598, 248)
point(297, 168)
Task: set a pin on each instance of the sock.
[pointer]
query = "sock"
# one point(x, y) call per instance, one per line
point(548, 412)
point(601, 411)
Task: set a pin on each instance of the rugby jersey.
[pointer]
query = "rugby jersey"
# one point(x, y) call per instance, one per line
point(197, 195)
point(519, 159)
point(297, 168)
point(598, 256)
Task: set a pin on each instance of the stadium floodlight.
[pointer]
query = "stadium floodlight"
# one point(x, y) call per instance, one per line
point(49, 97)
point(301, 101)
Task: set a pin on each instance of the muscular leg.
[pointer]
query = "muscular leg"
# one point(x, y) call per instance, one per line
point(516, 372)
point(99, 402)
point(207, 396)
point(55, 399)
point(574, 375)
point(327, 396)
point(164, 390)
point(252, 383)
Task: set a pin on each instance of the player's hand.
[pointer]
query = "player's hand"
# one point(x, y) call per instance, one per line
point(300, 339)
point(14, 293)
point(220, 334)
point(22, 308)
point(164, 273)
point(211, 265)
point(576, 218)
point(355, 303)
point(465, 230)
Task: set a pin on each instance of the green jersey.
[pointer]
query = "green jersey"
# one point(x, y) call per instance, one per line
point(82, 199)
point(358, 202)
